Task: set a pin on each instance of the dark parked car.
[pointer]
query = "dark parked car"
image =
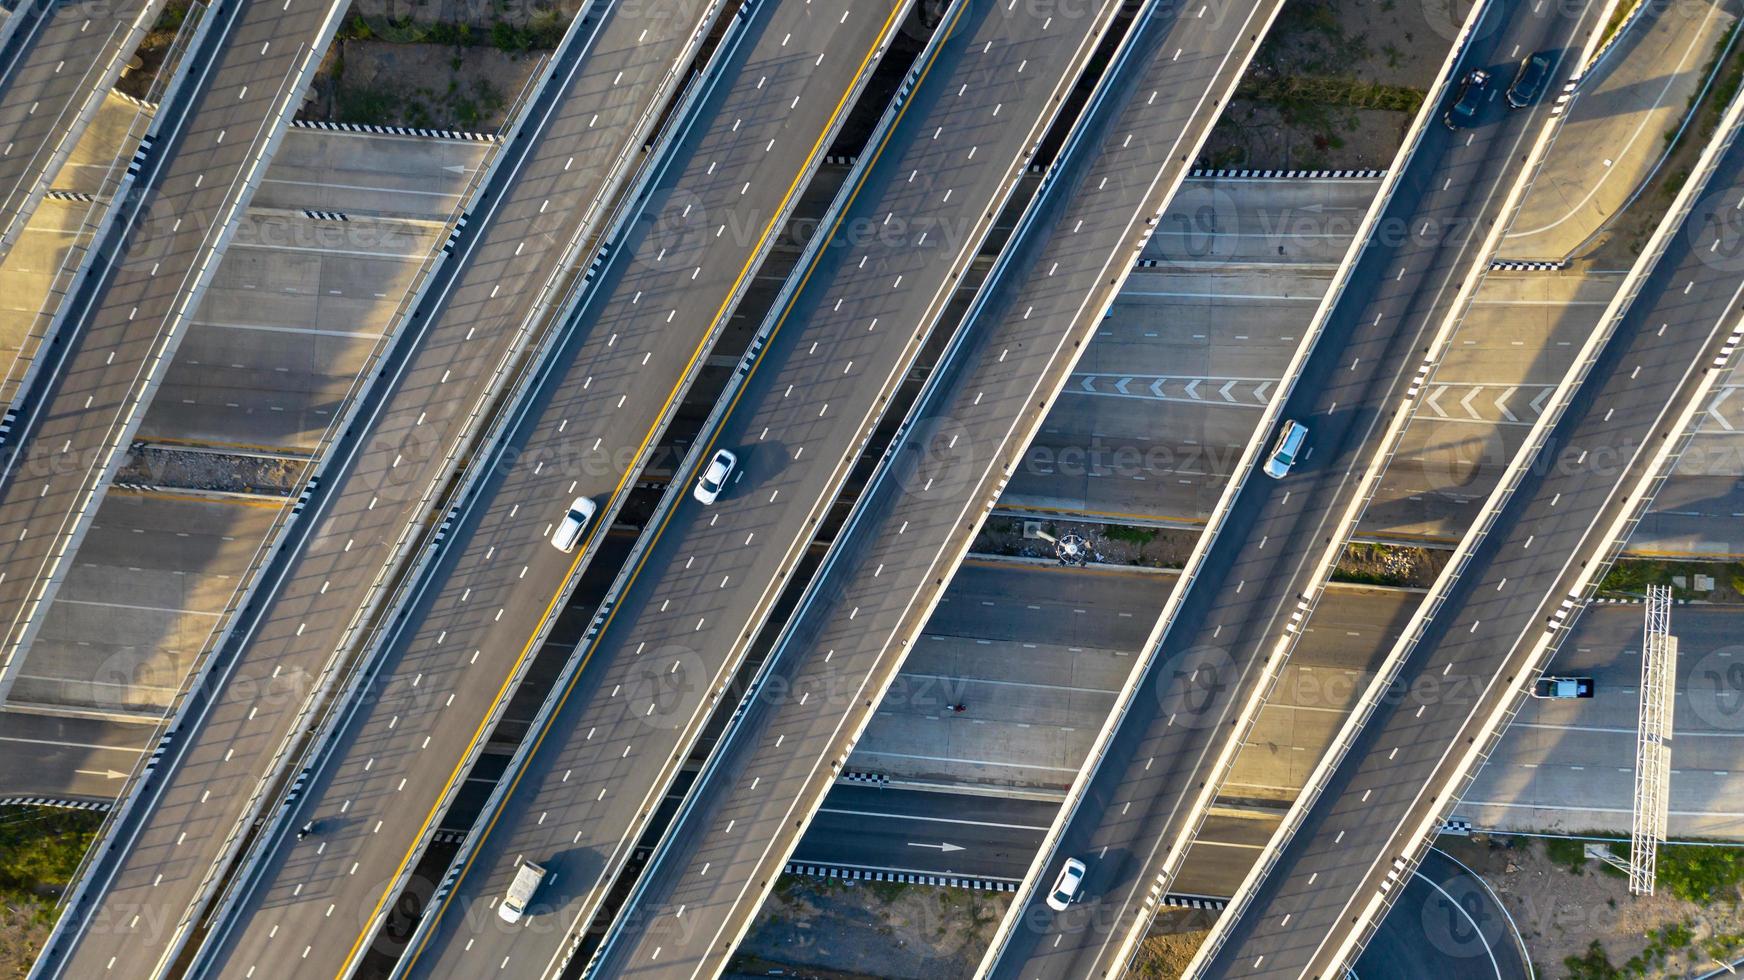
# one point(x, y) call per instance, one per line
point(1471, 96)
point(1529, 81)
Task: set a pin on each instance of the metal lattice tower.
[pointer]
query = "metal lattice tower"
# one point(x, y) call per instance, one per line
point(1653, 740)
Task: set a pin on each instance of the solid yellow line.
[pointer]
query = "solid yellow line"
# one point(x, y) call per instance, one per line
point(582, 553)
point(539, 739)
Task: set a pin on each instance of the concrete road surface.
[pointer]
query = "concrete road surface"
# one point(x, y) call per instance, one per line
point(911, 528)
point(1614, 139)
point(1570, 765)
point(52, 85)
point(190, 819)
point(842, 344)
point(472, 627)
point(1254, 581)
point(1477, 649)
point(67, 759)
point(126, 319)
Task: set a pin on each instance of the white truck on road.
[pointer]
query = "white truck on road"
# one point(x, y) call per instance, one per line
point(514, 904)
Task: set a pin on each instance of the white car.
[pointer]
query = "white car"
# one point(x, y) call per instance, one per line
point(568, 532)
point(714, 476)
point(1288, 448)
point(1066, 885)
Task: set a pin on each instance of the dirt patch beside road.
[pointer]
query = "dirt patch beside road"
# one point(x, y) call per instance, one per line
point(431, 86)
point(847, 930)
point(1580, 922)
point(1335, 85)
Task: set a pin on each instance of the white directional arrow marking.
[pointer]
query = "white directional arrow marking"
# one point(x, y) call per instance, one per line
point(1465, 403)
point(105, 773)
point(1089, 383)
point(1193, 389)
point(945, 848)
point(1502, 404)
point(1157, 387)
point(1120, 385)
point(1430, 401)
point(1714, 407)
point(1224, 391)
point(1538, 403)
point(455, 169)
point(1260, 392)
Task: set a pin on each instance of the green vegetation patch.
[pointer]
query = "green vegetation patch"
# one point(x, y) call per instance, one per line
point(1700, 874)
point(40, 848)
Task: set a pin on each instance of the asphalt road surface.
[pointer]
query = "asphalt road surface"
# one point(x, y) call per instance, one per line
point(1476, 648)
point(472, 627)
point(1448, 924)
point(708, 575)
point(712, 871)
point(1137, 809)
point(256, 689)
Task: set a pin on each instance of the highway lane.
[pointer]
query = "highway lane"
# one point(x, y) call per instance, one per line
point(1156, 104)
point(120, 326)
point(79, 758)
point(52, 92)
point(1140, 800)
point(470, 629)
point(939, 833)
point(596, 108)
point(1569, 765)
point(692, 602)
point(1479, 639)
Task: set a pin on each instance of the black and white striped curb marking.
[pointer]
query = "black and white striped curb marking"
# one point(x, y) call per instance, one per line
point(134, 100)
point(1628, 600)
point(1458, 828)
point(1512, 265)
point(454, 236)
point(314, 215)
point(80, 196)
point(99, 805)
point(1195, 902)
point(904, 877)
point(873, 778)
point(1219, 173)
point(307, 492)
point(140, 154)
point(371, 129)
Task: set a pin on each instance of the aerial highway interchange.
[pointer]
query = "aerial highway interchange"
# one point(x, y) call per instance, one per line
point(698, 501)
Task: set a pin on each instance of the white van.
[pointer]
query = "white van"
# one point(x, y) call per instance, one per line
point(569, 529)
point(514, 904)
